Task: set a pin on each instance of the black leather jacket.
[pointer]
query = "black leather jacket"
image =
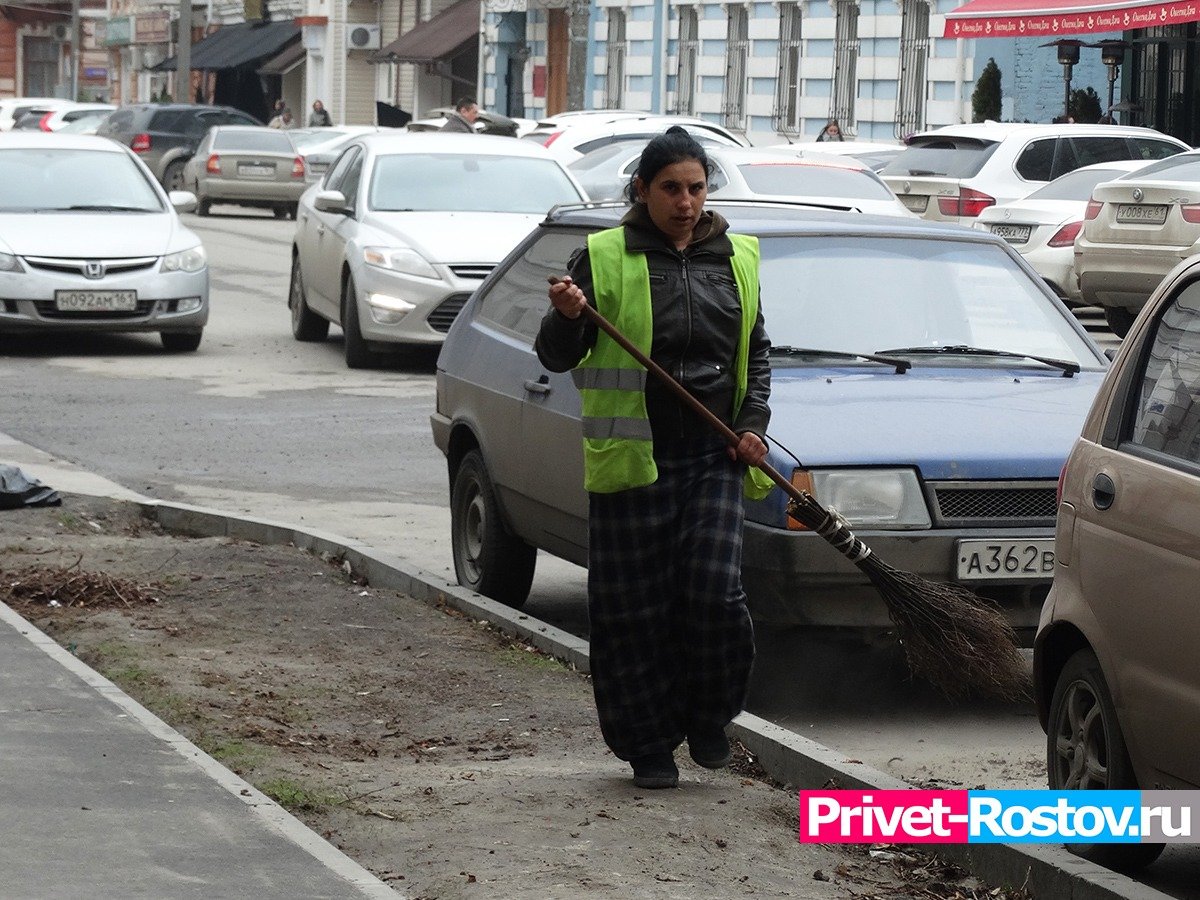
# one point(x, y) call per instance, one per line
point(697, 321)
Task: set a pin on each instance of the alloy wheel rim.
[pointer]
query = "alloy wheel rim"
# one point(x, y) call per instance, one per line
point(1081, 742)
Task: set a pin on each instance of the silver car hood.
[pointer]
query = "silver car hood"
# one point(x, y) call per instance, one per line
point(89, 236)
point(458, 237)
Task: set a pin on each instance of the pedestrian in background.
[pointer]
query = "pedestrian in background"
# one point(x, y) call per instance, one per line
point(277, 110)
point(283, 120)
point(671, 637)
point(466, 111)
point(831, 132)
point(319, 117)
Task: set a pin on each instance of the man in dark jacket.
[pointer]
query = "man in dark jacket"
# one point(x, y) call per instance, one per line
point(466, 111)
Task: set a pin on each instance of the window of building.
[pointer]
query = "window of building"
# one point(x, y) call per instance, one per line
point(737, 52)
point(614, 79)
point(786, 117)
point(689, 52)
point(914, 57)
point(845, 65)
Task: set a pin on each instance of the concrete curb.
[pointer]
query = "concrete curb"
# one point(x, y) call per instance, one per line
point(1046, 871)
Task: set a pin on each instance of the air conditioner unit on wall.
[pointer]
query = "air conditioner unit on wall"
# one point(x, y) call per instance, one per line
point(61, 32)
point(362, 37)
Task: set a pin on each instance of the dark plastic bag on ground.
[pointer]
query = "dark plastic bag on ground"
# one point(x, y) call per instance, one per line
point(18, 490)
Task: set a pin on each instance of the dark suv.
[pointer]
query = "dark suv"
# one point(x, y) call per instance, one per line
point(165, 135)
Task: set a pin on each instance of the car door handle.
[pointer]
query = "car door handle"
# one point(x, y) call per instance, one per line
point(1104, 492)
point(541, 386)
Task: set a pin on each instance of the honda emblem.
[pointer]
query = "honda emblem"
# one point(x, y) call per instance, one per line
point(93, 269)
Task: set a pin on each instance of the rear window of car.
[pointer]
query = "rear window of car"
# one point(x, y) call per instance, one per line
point(121, 120)
point(799, 179)
point(1075, 185)
point(1175, 168)
point(268, 140)
point(170, 120)
point(941, 157)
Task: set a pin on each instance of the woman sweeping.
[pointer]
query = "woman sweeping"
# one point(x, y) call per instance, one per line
point(671, 638)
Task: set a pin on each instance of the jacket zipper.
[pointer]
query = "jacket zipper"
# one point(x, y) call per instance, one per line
point(687, 296)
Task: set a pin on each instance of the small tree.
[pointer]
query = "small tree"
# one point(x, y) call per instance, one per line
point(985, 101)
point(1085, 105)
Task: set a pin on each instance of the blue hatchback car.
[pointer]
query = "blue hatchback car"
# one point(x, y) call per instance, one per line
point(925, 383)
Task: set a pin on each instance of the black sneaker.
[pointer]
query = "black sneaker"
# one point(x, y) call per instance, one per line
point(655, 770)
point(710, 750)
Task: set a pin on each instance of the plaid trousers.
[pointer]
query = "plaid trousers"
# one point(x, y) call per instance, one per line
point(671, 637)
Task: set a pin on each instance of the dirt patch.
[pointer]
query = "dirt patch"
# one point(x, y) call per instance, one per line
point(445, 757)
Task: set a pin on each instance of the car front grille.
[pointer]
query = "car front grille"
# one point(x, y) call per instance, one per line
point(993, 503)
point(80, 266)
point(46, 309)
point(446, 312)
point(478, 272)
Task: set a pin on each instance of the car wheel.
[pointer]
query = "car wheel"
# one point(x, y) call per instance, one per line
point(1085, 750)
point(1119, 319)
point(281, 212)
point(181, 341)
point(306, 324)
point(358, 355)
point(173, 176)
point(488, 558)
point(204, 207)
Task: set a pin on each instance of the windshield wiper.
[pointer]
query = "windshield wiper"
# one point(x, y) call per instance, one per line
point(902, 365)
point(103, 207)
point(1068, 368)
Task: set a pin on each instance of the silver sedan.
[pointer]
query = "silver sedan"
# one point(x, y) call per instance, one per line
point(405, 226)
point(246, 165)
point(89, 241)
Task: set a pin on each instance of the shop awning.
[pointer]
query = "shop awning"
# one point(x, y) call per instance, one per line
point(442, 37)
point(284, 61)
point(236, 45)
point(1042, 19)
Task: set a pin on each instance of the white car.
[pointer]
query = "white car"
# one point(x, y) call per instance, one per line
point(405, 226)
point(1043, 226)
point(13, 108)
point(875, 154)
point(319, 147)
point(56, 119)
point(953, 174)
point(89, 241)
point(572, 138)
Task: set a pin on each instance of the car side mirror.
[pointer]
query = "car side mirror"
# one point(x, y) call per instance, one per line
point(330, 201)
point(182, 201)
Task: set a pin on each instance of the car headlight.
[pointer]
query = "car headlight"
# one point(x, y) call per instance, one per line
point(875, 498)
point(404, 260)
point(9, 263)
point(192, 260)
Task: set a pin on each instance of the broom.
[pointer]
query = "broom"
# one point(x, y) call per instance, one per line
point(952, 638)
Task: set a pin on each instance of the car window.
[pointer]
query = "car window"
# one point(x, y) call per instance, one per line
point(170, 120)
point(596, 143)
point(1090, 150)
point(337, 172)
point(121, 120)
point(351, 180)
point(1184, 167)
point(1036, 162)
point(802, 179)
point(269, 140)
point(47, 179)
point(942, 157)
point(198, 125)
point(233, 117)
point(517, 301)
point(1167, 415)
point(1148, 148)
point(468, 182)
point(1076, 185)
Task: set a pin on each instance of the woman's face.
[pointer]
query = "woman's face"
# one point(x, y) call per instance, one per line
point(675, 198)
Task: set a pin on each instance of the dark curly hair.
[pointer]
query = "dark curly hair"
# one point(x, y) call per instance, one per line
point(672, 146)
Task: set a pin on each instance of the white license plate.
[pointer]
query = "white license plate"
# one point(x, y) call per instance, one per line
point(252, 169)
point(95, 301)
point(1137, 214)
point(915, 203)
point(1002, 560)
point(1014, 234)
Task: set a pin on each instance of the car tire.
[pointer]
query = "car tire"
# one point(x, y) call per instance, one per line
point(1119, 319)
point(181, 341)
point(358, 354)
point(281, 212)
point(204, 207)
point(306, 324)
point(488, 558)
point(173, 176)
point(1085, 750)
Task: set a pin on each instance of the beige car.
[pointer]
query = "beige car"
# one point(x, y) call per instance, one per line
point(1136, 229)
point(1116, 666)
point(247, 166)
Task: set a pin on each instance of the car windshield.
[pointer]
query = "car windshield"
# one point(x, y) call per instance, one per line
point(1075, 185)
point(825, 292)
point(941, 157)
point(807, 180)
point(52, 179)
point(467, 182)
point(1184, 167)
point(264, 140)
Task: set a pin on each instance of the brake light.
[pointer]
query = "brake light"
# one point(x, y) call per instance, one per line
point(1066, 235)
point(948, 206)
point(1093, 210)
point(1190, 213)
point(298, 167)
point(140, 143)
point(213, 166)
point(554, 137)
point(971, 203)
point(44, 122)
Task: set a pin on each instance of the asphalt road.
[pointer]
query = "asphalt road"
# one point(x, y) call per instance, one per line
point(259, 424)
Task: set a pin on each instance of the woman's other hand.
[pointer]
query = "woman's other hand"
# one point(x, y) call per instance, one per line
point(567, 298)
point(750, 449)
